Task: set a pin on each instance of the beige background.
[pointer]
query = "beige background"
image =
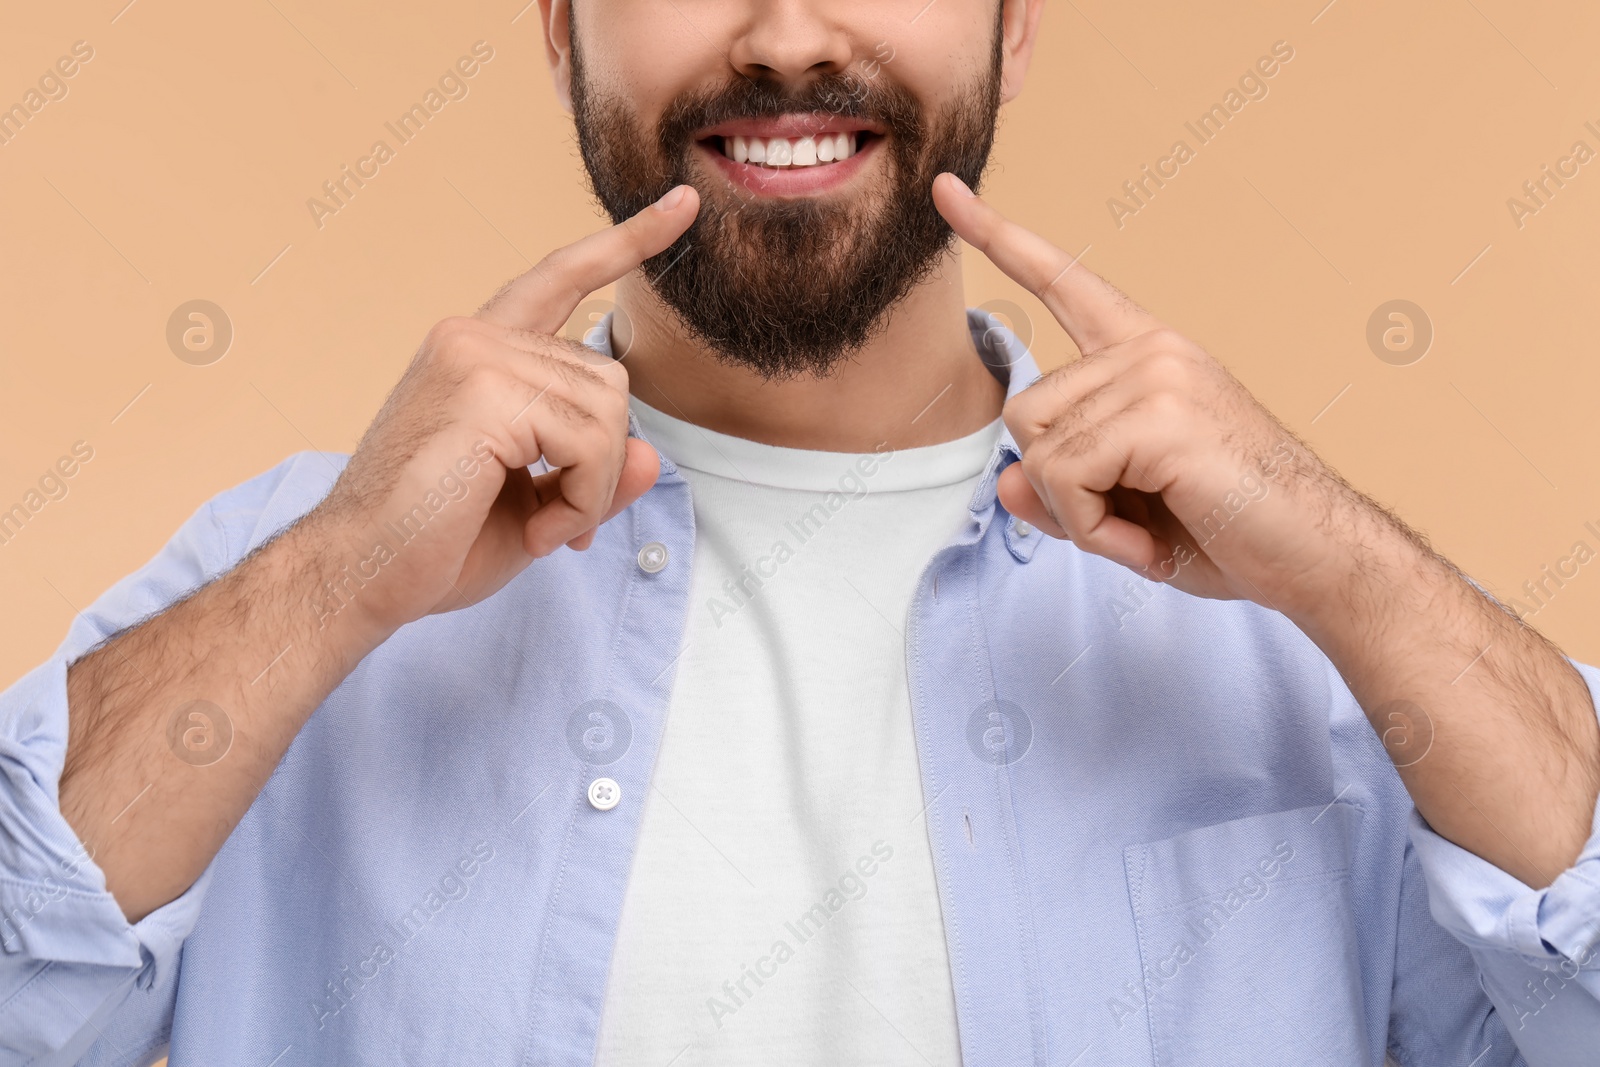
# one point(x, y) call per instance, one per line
point(179, 164)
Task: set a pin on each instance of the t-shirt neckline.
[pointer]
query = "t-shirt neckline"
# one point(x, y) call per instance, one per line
point(723, 455)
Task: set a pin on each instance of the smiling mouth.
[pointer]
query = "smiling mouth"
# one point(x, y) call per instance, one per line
point(816, 150)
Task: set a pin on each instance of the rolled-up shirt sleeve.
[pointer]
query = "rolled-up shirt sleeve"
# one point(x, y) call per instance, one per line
point(65, 946)
point(1538, 950)
point(66, 950)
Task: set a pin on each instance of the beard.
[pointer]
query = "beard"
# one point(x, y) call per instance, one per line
point(785, 287)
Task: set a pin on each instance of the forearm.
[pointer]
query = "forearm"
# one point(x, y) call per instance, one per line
point(153, 783)
point(438, 494)
point(1493, 731)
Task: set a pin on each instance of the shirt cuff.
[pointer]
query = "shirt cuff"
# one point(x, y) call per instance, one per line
point(54, 904)
point(1485, 907)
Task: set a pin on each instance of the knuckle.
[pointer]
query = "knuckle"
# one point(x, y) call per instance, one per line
point(612, 407)
point(1165, 406)
point(1031, 408)
point(453, 346)
point(1167, 365)
point(448, 332)
point(1015, 410)
point(614, 374)
point(482, 385)
point(1096, 539)
point(1037, 463)
point(575, 414)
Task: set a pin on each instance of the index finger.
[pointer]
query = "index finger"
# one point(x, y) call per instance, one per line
point(544, 298)
point(1094, 312)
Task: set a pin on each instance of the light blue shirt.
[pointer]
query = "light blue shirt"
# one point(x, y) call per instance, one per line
point(1163, 831)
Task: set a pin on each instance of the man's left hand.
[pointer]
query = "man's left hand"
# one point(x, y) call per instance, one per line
point(1148, 452)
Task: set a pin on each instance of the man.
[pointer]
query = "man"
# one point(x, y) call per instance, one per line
point(725, 690)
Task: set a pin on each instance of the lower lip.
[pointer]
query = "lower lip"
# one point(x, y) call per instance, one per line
point(791, 181)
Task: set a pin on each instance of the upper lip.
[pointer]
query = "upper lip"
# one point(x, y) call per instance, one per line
point(793, 124)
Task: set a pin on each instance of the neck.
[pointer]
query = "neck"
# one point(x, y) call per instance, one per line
point(918, 382)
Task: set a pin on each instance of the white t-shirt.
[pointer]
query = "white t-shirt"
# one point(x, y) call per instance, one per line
point(782, 907)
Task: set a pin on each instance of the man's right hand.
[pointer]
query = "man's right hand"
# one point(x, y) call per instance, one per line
point(440, 480)
point(438, 499)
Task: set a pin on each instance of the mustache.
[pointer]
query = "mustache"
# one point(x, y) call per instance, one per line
point(844, 94)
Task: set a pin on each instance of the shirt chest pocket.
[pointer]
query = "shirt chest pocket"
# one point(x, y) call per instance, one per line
point(1247, 941)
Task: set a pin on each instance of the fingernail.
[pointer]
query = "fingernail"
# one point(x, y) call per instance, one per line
point(961, 185)
point(672, 199)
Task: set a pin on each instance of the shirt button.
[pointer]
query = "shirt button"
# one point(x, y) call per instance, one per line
point(1023, 529)
point(652, 557)
point(604, 794)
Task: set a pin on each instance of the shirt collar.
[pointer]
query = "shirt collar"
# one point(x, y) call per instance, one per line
point(1009, 360)
point(1006, 357)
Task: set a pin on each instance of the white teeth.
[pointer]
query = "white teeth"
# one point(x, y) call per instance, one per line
point(790, 152)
